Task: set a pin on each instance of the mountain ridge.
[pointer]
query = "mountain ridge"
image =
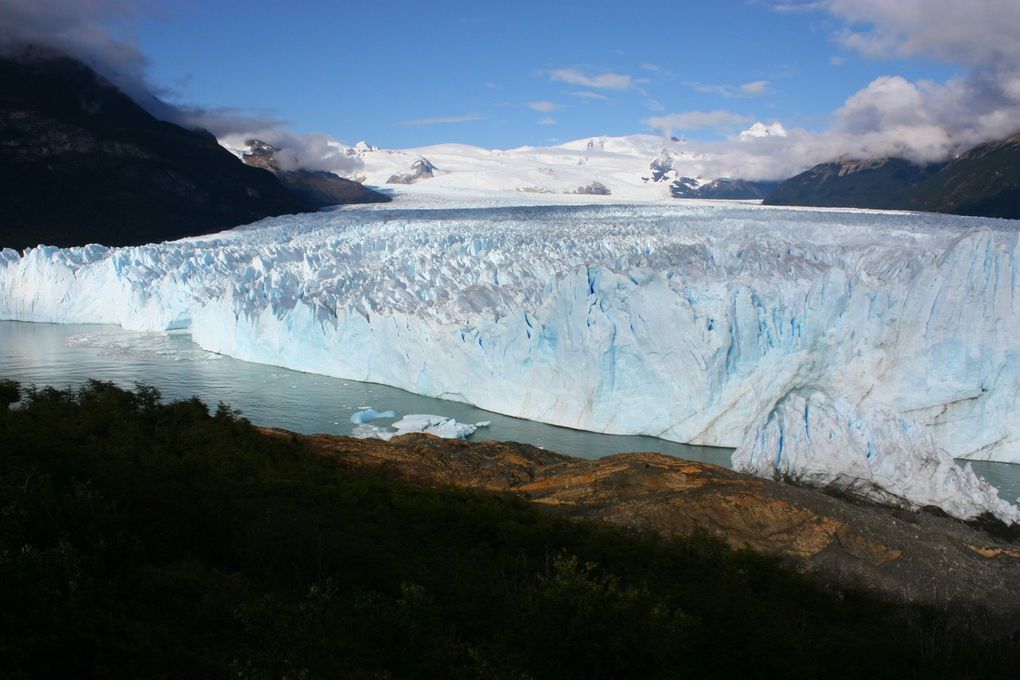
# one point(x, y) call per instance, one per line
point(984, 181)
point(81, 162)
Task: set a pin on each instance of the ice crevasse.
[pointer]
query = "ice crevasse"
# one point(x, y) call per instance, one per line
point(696, 323)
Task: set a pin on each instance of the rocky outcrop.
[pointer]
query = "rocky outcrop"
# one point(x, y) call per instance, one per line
point(593, 189)
point(917, 556)
point(420, 169)
point(723, 188)
point(317, 188)
point(80, 162)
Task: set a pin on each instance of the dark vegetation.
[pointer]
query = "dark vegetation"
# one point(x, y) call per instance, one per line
point(141, 539)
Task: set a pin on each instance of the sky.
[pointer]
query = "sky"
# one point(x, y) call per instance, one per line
point(920, 78)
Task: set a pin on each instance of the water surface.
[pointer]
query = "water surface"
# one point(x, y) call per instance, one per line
point(62, 355)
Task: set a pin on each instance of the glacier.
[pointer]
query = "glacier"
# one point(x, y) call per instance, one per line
point(814, 440)
point(687, 322)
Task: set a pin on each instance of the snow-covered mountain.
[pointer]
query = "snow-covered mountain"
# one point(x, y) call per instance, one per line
point(635, 168)
point(759, 130)
point(732, 325)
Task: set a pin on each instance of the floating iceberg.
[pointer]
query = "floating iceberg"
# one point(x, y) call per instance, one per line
point(367, 415)
point(440, 426)
point(682, 321)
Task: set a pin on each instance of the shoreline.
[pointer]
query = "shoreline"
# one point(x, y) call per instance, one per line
point(909, 556)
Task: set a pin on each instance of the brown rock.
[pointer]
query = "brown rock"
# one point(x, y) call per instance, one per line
point(915, 556)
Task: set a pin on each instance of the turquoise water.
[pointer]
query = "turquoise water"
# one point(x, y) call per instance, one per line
point(68, 354)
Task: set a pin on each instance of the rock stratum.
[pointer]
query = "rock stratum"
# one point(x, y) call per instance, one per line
point(916, 556)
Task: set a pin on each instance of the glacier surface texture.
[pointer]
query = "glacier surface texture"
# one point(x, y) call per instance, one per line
point(690, 322)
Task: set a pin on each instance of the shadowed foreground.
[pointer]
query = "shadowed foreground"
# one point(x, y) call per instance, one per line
point(923, 557)
point(142, 539)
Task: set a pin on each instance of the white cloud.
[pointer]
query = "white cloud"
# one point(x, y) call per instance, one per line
point(548, 120)
point(599, 81)
point(77, 29)
point(543, 106)
point(585, 94)
point(654, 68)
point(442, 120)
point(920, 120)
point(717, 120)
point(974, 33)
point(755, 88)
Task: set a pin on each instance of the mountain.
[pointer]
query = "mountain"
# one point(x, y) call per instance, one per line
point(317, 188)
point(984, 181)
point(80, 162)
point(723, 188)
point(879, 183)
point(420, 169)
point(632, 168)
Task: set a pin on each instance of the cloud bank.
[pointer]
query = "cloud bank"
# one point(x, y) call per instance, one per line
point(923, 121)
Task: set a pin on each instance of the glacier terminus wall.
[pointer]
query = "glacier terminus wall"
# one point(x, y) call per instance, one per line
point(691, 322)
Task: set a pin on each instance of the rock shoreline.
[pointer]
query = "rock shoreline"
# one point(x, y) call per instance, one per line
point(914, 556)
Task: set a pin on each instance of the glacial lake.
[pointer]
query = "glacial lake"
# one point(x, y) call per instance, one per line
point(65, 355)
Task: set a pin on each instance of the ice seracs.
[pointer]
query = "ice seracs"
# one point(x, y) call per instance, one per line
point(813, 439)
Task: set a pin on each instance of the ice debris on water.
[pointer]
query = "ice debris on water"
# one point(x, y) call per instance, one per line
point(440, 426)
point(365, 415)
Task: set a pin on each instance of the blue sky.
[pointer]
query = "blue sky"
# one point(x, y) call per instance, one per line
point(921, 79)
point(507, 74)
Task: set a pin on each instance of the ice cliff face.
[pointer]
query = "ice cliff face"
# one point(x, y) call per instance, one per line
point(815, 441)
point(683, 322)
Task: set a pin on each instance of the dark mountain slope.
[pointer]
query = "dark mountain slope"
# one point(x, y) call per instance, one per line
point(318, 188)
point(985, 181)
point(880, 183)
point(80, 162)
point(723, 188)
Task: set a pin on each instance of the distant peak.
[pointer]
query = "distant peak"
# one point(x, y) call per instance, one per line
point(760, 129)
